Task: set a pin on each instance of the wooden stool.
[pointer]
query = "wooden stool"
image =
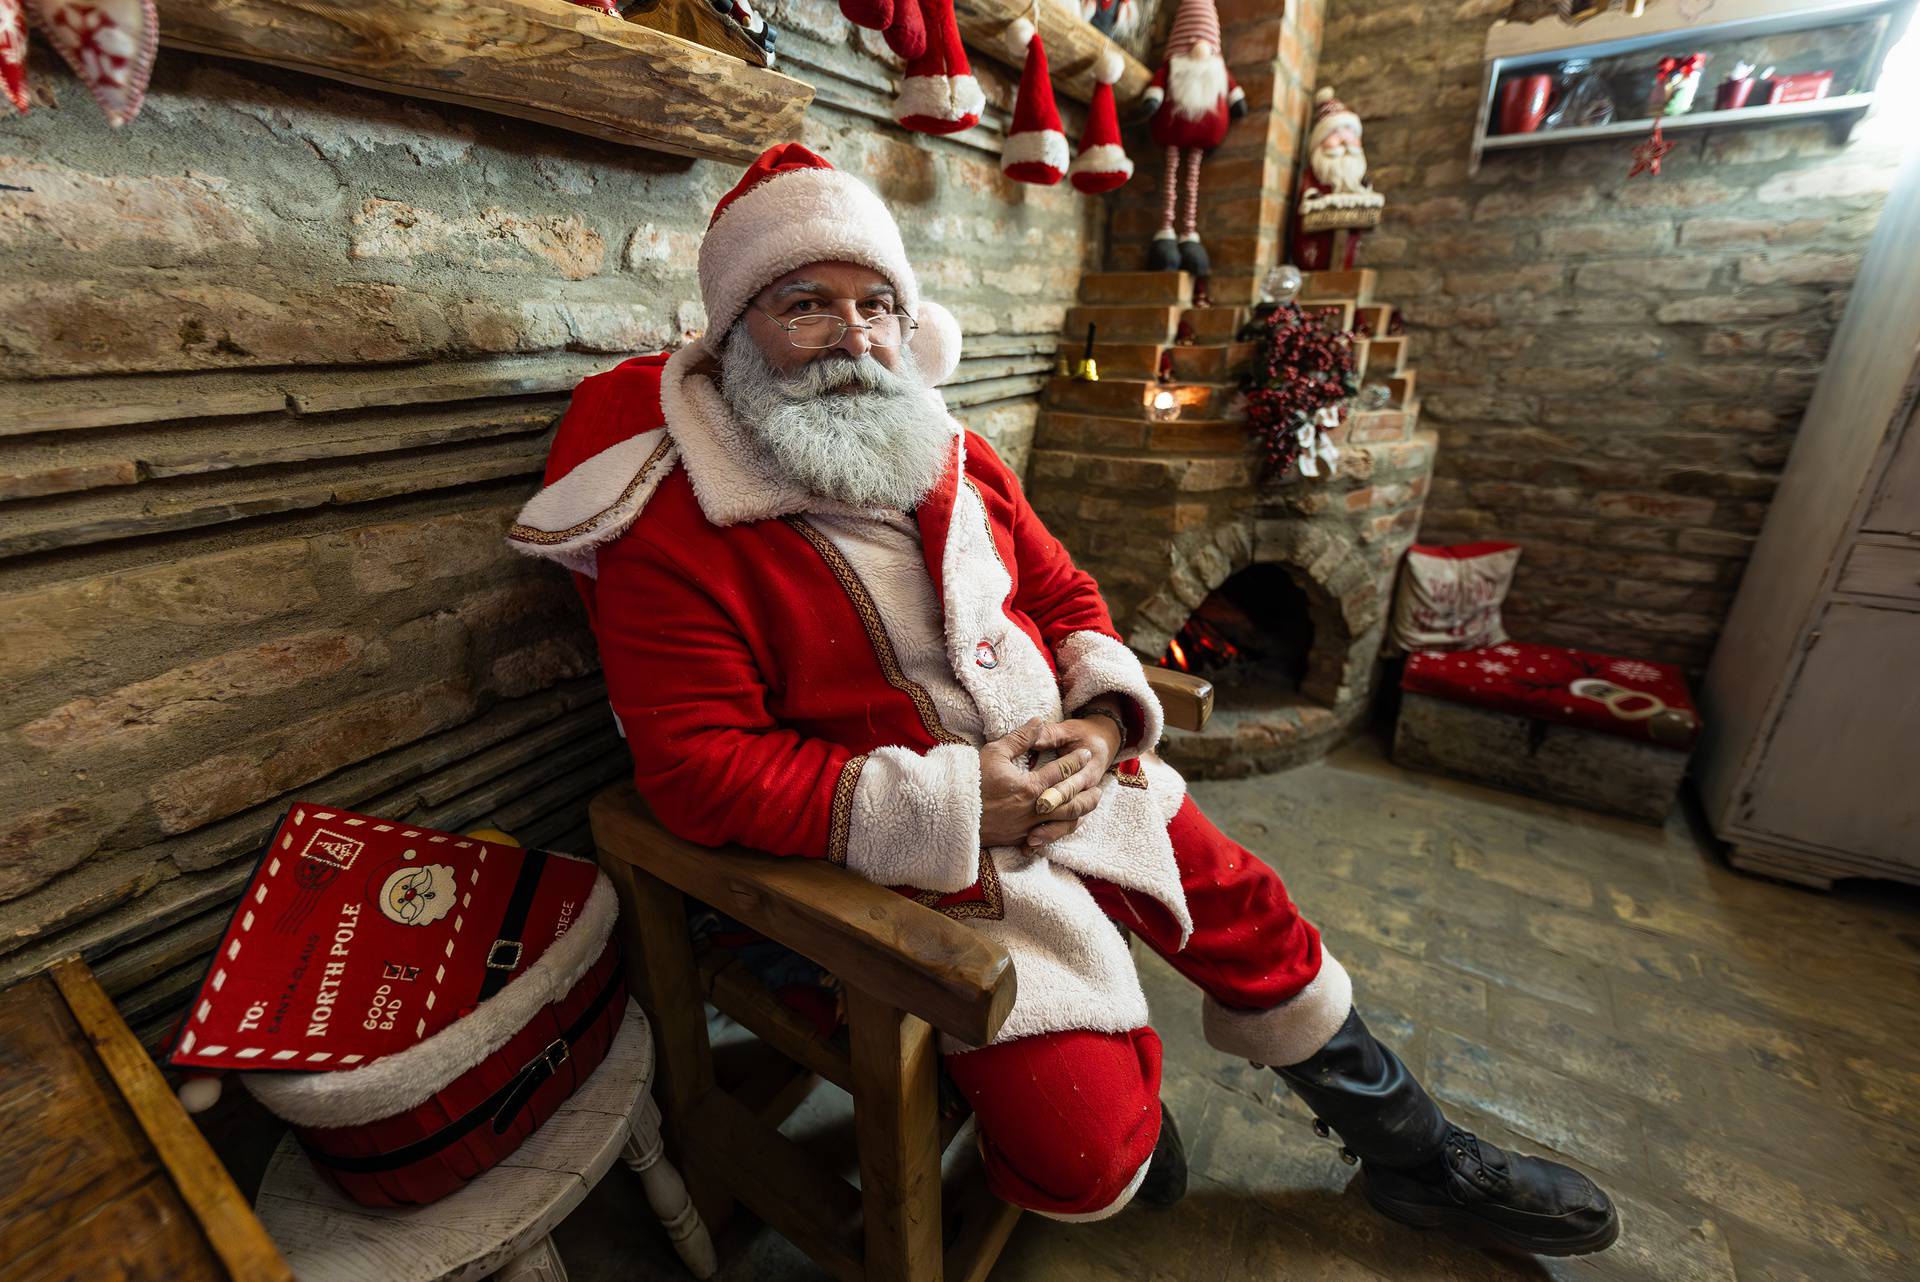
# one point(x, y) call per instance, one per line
point(500, 1223)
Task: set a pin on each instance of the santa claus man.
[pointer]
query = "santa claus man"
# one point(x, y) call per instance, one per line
point(1193, 98)
point(833, 628)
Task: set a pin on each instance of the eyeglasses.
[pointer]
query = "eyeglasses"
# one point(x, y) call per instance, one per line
point(817, 330)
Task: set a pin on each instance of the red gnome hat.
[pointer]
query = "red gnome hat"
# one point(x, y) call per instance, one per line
point(939, 94)
point(1036, 147)
point(874, 15)
point(1102, 163)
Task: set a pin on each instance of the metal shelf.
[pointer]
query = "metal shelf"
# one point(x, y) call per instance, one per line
point(1856, 103)
point(1538, 45)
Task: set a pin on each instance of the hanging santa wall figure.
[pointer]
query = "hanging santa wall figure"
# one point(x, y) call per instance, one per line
point(1193, 99)
point(1335, 201)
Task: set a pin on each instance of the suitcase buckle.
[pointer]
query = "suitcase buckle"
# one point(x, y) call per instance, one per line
point(494, 961)
point(559, 1045)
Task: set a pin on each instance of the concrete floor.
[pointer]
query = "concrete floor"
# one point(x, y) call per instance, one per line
point(1737, 1061)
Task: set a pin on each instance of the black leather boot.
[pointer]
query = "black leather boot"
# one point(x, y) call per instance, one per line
point(1166, 1181)
point(1421, 1169)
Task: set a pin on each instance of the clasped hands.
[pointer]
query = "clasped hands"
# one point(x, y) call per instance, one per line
point(1009, 793)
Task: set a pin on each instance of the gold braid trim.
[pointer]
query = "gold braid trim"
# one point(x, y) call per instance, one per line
point(842, 822)
point(991, 905)
point(876, 630)
point(527, 534)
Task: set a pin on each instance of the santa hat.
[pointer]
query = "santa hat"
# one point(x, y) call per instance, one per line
point(1197, 20)
point(906, 35)
point(1329, 115)
point(1036, 147)
point(874, 15)
point(939, 94)
point(1102, 163)
point(793, 208)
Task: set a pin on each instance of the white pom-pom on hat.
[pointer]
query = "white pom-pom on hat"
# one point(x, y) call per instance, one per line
point(1323, 94)
point(936, 343)
point(1109, 68)
point(1018, 35)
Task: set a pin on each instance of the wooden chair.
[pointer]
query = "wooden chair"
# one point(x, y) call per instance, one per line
point(909, 973)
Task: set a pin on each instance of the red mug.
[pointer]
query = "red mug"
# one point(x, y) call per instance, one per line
point(1524, 101)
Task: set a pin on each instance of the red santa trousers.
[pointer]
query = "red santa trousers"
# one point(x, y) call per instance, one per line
point(1067, 1120)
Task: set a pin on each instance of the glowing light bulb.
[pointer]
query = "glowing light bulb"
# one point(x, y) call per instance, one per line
point(1165, 406)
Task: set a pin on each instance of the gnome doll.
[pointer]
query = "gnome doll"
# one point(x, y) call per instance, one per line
point(1336, 202)
point(1193, 99)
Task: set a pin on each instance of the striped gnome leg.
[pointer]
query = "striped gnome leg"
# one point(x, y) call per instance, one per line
point(1164, 255)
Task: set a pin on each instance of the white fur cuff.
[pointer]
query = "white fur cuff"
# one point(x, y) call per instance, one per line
point(1092, 663)
point(1114, 1207)
point(1290, 1032)
point(916, 819)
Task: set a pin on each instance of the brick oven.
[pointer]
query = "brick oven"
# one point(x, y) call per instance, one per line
point(1279, 591)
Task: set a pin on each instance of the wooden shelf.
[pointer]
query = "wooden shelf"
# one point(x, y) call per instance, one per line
point(543, 60)
point(1855, 103)
point(1073, 46)
point(1543, 44)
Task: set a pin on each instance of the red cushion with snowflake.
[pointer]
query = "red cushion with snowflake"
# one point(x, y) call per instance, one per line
point(1633, 697)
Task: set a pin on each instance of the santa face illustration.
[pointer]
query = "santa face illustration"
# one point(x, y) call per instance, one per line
point(418, 895)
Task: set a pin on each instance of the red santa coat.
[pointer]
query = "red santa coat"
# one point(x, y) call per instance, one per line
point(765, 702)
point(1204, 128)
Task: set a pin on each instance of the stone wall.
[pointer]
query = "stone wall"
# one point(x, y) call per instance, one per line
point(277, 364)
point(1615, 366)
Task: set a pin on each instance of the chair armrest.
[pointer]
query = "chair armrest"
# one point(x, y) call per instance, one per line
point(1186, 699)
point(872, 938)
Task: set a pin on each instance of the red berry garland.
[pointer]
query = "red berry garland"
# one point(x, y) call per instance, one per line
point(1302, 366)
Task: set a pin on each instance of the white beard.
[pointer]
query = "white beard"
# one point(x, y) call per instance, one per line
point(881, 444)
point(1342, 170)
point(1196, 85)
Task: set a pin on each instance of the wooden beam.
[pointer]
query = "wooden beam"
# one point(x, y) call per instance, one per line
point(896, 950)
point(1073, 46)
point(542, 60)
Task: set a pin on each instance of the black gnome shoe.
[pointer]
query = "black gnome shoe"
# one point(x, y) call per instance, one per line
point(1166, 1181)
point(1422, 1170)
point(1164, 254)
point(1193, 257)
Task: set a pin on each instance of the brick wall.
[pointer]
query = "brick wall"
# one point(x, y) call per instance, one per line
point(277, 364)
point(1616, 368)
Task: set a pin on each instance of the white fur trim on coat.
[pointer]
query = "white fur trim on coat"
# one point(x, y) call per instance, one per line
point(1074, 967)
point(1047, 146)
point(974, 589)
point(593, 504)
point(805, 216)
point(1292, 1031)
point(916, 818)
point(1091, 664)
point(402, 1081)
point(1107, 158)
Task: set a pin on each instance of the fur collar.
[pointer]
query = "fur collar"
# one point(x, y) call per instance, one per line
point(731, 480)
